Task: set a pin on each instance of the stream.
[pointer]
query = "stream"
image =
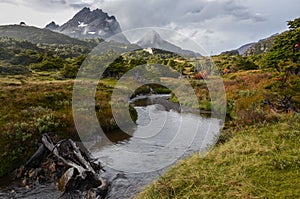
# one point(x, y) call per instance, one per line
point(161, 137)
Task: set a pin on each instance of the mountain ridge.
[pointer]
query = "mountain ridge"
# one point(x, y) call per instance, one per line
point(261, 46)
point(38, 35)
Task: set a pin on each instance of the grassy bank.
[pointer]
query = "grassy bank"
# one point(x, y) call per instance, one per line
point(37, 104)
point(258, 152)
point(259, 161)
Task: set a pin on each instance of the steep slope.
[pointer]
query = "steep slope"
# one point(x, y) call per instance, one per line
point(153, 40)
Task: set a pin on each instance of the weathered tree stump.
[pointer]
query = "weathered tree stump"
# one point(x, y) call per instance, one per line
point(68, 166)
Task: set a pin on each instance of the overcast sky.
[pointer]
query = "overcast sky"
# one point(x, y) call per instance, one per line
point(217, 25)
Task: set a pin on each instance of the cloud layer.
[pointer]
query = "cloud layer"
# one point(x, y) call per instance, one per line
point(217, 25)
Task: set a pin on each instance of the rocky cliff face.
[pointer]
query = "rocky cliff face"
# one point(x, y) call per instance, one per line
point(87, 24)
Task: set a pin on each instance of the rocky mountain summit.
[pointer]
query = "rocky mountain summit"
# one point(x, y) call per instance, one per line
point(88, 24)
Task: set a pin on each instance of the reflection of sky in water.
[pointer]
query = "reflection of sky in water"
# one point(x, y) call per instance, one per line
point(160, 138)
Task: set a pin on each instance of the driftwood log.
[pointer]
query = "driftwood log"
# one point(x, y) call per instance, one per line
point(68, 166)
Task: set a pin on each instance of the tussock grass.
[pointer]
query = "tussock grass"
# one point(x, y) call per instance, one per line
point(260, 161)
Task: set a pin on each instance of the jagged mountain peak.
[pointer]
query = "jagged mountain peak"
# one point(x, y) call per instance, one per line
point(85, 9)
point(87, 24)
point(87, 15)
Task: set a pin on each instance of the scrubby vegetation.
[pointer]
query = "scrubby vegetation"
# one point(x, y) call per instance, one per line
point(31, 108)
point(23, 57)
point(261, 136)
point(36, 93)
point(257, 155)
